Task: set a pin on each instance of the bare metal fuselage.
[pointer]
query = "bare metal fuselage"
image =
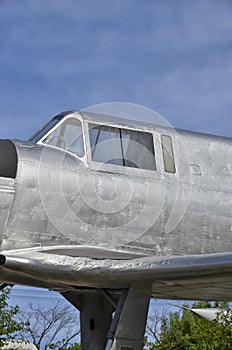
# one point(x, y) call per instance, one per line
point(78, 223)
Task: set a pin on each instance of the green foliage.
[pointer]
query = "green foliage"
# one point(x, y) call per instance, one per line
point(187, 331)
point(59, 346)
point(74, 347)
point(8, 325)
point(149, 345)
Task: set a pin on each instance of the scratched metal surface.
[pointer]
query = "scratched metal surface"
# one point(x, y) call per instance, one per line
point(61, 204)
point(204, 277)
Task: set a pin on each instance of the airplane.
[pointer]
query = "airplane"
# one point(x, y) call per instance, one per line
point(110, 213)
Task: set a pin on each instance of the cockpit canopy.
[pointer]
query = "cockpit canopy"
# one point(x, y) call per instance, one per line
point(64, 133)
point(113, 143)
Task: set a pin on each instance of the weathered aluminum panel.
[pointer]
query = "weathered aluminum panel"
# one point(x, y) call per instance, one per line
point(7, 192)
point(204, 277)
point(74, 210)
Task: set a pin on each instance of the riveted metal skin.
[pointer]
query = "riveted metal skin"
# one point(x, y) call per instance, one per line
point(171, 236)
point(44, 209)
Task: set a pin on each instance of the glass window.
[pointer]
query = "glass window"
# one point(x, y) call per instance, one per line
point(124, 147)
point(45, 129)
point(168, 154)
point(138, 149)
point(105, 144)
point(68, 136)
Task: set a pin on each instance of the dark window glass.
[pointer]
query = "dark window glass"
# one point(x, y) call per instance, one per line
point(124, 147)
point(138, 149)
point(106, 144)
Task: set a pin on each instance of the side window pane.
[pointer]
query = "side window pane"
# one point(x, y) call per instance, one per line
point(168, 155)
point(138, 149)
point(124, 147)
point(105, 143)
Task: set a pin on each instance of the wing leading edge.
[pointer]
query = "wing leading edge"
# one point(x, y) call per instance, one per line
point(204, 277)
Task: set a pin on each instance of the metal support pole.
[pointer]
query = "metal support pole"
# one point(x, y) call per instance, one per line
point(116, 319)
point(95, 318)
point(131, 327)
point(99, 331)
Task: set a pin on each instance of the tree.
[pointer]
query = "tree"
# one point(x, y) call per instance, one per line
point(187, 331)
point(74, 347)
point(153, 326)
point(51, 328)
point(9, 327)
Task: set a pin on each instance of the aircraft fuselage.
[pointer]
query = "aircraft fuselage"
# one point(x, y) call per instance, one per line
point(57, 199)
point(112, 212)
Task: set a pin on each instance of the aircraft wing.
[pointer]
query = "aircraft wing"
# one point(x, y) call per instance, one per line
point(197, 277)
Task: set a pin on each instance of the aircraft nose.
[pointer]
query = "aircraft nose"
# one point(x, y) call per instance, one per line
point(8, 159)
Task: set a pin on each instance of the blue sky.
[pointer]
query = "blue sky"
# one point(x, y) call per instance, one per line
point(174, 57)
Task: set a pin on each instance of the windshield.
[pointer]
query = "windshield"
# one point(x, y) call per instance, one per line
point(67, 136)
point(45, 129)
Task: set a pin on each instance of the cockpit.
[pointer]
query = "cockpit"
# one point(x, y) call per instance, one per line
point(64, 132)
point(113, 143)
